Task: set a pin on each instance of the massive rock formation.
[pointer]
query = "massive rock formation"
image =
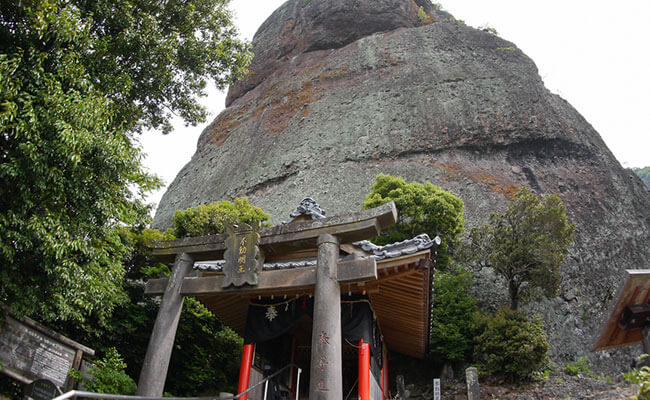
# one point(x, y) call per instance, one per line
point(340, 91)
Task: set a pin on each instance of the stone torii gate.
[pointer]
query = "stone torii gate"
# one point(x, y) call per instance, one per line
point(277, 242)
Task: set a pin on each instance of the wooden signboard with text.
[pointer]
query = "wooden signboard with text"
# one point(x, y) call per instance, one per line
point(244, 260)
point(29, 351)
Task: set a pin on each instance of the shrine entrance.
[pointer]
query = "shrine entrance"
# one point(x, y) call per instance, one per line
point(311, 293)
point(279, 332)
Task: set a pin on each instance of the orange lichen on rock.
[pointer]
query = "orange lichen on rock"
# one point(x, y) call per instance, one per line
point(228, 120)
point(449, 169)
point(286, 106)
point(334, 73)
point(495, 184)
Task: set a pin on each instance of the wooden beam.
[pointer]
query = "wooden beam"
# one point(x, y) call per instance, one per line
point(349, 271)
point(280, 239)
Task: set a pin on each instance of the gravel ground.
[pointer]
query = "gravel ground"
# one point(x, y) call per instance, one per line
point(558, 386)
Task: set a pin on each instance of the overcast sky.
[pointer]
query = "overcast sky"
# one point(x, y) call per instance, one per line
point(595, 54)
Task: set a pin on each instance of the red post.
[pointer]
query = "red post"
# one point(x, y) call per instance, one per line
point(364, 370)
point(245, 369)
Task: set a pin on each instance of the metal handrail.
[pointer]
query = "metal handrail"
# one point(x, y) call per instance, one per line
point(90, 395)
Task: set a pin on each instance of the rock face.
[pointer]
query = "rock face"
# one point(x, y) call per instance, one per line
point(341, 91)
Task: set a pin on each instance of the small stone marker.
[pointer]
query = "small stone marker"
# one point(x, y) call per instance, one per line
point(436, 389)
point(473, 389)
point(402, 393)
point(41, 389)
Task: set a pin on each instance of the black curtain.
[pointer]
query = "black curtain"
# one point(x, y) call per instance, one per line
point(267, 319)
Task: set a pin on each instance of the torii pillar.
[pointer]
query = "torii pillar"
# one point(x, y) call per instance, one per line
point(326, 381)
point(161, 342)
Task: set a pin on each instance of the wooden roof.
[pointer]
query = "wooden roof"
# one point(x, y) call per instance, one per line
point(400, 298)
point(402, 303)
point(635, 290)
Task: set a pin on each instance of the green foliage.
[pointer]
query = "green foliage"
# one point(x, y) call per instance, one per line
point(139, 262)
point(644, 174)
point(78, 78)
point(207, 219)
point(422, 15)
point(541, 375)
point(579, 366)
point(64, 183)
point(453, 312)
point(108, 376)
point(206, 354)
point(640, 377)
point(9, 387)
point(421, 208)
point(510, 346)
point(150, 59)
point(525, 244)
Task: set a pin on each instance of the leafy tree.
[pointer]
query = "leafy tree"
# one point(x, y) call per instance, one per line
point(78, 79)
point(454, 309)
point(149, 58)
point(206, 354)
point(644, 174)
point(421, 208)
point(525, 244)
point(206, 219)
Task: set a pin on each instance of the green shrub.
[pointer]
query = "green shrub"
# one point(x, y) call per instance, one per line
point(453, 316)
point(208, 219)
point(579, 366)
point(510, 345)
point(641, 377)
point(108, 376)
point(422, 15)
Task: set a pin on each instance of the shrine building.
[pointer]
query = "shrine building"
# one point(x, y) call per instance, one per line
point(318, 305)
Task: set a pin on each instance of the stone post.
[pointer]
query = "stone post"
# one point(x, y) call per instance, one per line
point(326, 381)
point(159, 351)
point(473, 388)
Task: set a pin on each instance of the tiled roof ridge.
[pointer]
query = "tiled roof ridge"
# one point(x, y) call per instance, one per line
point(392, 250)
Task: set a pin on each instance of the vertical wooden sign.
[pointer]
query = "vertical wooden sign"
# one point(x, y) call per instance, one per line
point(436, 389)
point(244, 259)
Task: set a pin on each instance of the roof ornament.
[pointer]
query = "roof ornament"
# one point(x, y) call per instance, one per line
point(409, 246)
point(307, 208)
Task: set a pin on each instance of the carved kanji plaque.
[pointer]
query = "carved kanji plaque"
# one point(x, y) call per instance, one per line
point(244, 259)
